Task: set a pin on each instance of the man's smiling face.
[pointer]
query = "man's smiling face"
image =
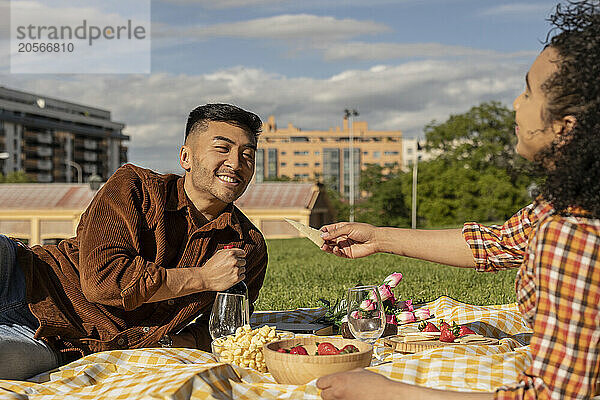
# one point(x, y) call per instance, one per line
point(221, 162)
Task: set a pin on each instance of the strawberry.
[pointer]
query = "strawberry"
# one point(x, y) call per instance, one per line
point(465, 331)
point(326, 348)
point(428, 327)
point(349, 348)
point(282, 350)
point(447, 336)
point(299, 350)
point(444, 325)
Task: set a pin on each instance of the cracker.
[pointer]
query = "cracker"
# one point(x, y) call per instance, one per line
point(311, 233)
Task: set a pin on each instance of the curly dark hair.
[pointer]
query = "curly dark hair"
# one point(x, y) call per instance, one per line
point(573, 180)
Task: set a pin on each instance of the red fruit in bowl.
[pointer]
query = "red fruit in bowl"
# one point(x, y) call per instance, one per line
point(326, 348)
point(465, 331)
point(299, 350)
point(282, 350)
point(447, 336)
point(349, 348)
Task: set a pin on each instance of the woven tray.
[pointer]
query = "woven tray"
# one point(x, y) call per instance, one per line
point(397, 345)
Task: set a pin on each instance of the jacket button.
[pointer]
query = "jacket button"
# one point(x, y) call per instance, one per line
point(121, 342)
point(146, 329)
point(171, 302)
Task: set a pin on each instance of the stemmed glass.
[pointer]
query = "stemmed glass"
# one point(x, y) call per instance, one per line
point(366, 314)
point(229, 312)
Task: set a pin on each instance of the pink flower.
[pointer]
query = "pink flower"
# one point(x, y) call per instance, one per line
point(385, 293)
point(393, 279)
point(367, 305)
point(422, 313)
point(355, 314)
point(405, 317)
point(391, 319)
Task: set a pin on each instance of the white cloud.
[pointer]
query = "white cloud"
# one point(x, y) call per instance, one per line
point(387, 51)
point(297, 27)
point(518, 9)
point(226, 3)
point(405, 96)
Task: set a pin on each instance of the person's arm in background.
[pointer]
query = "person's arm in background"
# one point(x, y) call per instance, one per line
point(486, 248)
point(354, 240)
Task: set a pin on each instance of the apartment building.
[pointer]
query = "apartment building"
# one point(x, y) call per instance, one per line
point(58, 141)
point(325, 156)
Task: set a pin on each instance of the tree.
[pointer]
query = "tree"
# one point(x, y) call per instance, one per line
point(384, 203)
point(477, 175)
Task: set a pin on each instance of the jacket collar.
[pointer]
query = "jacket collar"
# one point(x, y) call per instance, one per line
point(178, 200)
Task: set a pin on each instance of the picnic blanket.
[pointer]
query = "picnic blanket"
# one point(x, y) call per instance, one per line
point(192, 374)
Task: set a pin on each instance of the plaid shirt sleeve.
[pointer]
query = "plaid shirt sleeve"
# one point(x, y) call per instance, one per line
point(500, 247)
point(565, 258)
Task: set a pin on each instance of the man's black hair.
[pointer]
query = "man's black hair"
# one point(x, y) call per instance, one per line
point(201, 115)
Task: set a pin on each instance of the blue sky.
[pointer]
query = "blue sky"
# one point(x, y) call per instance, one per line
point(401, 63)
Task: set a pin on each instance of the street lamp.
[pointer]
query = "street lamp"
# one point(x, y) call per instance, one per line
point(347, 114)
point(414, 184)
point(78, 168)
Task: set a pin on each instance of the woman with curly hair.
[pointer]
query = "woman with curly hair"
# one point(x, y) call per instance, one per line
point(555, 242)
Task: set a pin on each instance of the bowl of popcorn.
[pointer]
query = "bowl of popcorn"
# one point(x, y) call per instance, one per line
point(245, 347)
point(299, 360)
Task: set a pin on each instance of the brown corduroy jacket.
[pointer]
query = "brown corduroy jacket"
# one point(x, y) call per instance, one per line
point(90, 293)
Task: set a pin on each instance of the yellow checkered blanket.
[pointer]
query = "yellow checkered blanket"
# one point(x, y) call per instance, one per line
point(193, 374)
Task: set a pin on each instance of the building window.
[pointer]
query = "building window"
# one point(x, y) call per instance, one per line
point(365, 153)
point(409, 150)
point(283, 153)
point(283, 164)
point(299, 139)
point(272, 163)
point(316, 153)
point(356, 162)
point(376, 154)
point(331, 168)
point(317, 164)
point(391, 153)
point(301, 153)
point(260, 165)
point(300, 164)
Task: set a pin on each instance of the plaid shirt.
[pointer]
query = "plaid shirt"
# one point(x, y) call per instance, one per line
point(558, 290)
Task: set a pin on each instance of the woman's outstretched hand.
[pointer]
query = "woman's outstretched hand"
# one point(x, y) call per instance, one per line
point(350, 239)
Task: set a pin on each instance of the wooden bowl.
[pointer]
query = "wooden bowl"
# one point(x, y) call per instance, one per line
point(298, 369)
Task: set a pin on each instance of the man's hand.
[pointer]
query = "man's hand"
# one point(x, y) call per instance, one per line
point(223, 270)
point(349, 240)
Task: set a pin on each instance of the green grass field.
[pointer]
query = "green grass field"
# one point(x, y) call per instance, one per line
point(299, 274)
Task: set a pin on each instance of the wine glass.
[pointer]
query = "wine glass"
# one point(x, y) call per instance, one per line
point(366, 314)
point(228, 314)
